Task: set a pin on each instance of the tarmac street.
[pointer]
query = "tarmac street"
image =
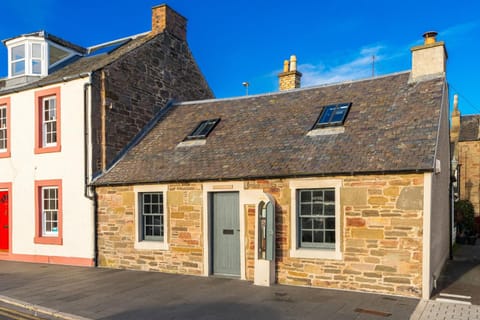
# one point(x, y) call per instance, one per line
point(77, 292)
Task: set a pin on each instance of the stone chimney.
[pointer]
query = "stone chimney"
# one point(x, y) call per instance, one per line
point(428, 60)
point(165, 18)
point(455, 125)
point(290, 77)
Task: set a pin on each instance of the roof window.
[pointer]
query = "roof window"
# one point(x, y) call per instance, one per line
point(332, 115)
point(203, 129)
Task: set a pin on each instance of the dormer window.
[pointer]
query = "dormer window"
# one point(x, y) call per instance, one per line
point(27, 58)
point(36, 55)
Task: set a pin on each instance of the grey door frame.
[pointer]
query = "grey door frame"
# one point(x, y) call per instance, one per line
point(211, 221)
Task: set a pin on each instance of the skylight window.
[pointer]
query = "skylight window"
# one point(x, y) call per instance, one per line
point(332, 115)
point(203, 129)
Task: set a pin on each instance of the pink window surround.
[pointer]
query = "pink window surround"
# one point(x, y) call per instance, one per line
point(39, 129)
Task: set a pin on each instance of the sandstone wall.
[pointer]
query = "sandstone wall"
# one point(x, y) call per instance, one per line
point(381, 234)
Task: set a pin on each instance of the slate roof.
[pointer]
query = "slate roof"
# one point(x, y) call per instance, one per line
point(392, 126)
point(81, 66)
point(469, 128)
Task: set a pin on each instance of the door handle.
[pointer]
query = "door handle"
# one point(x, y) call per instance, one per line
point(5, 226)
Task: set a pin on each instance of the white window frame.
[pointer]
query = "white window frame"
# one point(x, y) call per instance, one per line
point(141, 244)
point(45, 122)
point(50, 233)
point(27, 43)
point(314, 253)
point(38, 59)
point(4, 127)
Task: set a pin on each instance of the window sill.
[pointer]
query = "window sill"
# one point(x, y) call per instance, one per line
point(151, 245)
point(192, 143)
point(48, 240)
point(326, 131)
point(47, 149)
point(315, 254)
point(5, 154)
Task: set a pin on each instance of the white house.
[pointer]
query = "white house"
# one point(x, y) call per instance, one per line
point(65, 113)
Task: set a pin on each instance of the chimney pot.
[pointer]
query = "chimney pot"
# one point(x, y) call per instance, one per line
point(293, 63)
point(290, 77)
point(430, 37)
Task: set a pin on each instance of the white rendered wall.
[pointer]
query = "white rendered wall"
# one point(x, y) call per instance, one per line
point(24, 167)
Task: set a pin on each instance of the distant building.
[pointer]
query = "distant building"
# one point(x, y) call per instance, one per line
point(465, 137)
point(341, 186)
point(65, 113)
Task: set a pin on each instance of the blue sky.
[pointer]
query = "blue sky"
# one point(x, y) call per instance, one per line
point(237, 41)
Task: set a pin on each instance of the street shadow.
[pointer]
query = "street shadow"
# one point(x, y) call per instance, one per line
point(457, 276)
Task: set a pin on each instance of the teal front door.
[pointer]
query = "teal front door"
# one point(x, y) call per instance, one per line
point(225, 234)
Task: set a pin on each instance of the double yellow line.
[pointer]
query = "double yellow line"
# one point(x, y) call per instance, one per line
point(17, 315)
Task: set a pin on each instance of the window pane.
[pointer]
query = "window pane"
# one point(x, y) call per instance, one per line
point(340, 113)
point(148, 220)
point(317, 209)
point(307, 236)
point(317, 196)
point(147, 198)
point(318, 237)
point(319, 223)
point(305, 210)
point(18, 52)
point(329, 210)
point(18, 68)
point(327, 113)
point(329, 195)
point(36, 50)
point(330, 236)
point(330, 223)
point(36, 67)
point(156, 231)
point(148, 231)
point(307, 223)
point(305, 196)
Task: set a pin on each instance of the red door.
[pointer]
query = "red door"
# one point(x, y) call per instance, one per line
point(4, 220)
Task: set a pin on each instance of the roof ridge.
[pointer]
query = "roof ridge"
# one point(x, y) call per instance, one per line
point(325, 85)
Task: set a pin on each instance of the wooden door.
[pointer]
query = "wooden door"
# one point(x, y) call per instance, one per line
point(225, 233)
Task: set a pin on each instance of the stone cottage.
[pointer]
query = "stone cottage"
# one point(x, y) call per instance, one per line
point(340, 186)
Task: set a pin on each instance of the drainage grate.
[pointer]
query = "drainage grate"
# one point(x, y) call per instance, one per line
point(374, 312)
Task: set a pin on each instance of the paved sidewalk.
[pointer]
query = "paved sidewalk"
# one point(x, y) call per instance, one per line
point(117, 294)
point(458, 293)
point(436, 310)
